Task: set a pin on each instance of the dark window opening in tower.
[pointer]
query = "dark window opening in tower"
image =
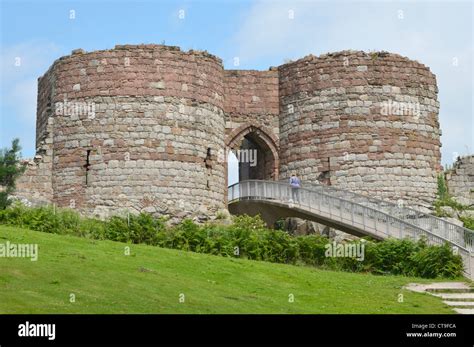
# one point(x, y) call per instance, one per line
point(208, 163)
point(208, 160)
point(87, 166)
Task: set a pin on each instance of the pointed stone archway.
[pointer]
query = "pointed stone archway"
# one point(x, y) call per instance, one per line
point(256, 148)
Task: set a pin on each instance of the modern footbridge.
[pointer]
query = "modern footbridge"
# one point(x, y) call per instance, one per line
point(353, 213)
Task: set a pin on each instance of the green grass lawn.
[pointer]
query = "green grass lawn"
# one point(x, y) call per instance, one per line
point(151, 279)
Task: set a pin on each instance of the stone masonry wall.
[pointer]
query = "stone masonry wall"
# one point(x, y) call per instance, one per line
point(460, 180)
point(140, 128)
point(35, 185)
point(133, 129)
point(251, 96)
point(251, 106)
point(44, 107)
point(366, 122)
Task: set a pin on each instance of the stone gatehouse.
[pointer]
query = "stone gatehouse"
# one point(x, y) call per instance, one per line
point(143, 127)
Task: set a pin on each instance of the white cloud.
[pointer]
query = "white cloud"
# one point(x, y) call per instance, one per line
point(431, 32)
point(274, 28)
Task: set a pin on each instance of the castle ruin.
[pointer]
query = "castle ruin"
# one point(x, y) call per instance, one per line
point(143, 127)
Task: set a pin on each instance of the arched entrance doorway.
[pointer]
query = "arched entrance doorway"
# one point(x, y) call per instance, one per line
point(255, 153)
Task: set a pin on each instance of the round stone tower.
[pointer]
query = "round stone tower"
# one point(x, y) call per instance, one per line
point(136, 128)
point(142, 128)
point(367, 122)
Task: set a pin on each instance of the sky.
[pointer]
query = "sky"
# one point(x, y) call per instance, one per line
point(261, 34)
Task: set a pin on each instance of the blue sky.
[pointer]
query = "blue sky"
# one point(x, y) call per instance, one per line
point(439, 34)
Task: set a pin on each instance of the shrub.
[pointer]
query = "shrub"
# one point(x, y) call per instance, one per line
point(312, 249)
point(116, 229)
point(249, 236)
point(442, 189)
point(468, 222)
point(42, 219)
point(392, 256)
point(188, 236)
point(142, 228)
point(69, 221)
point(445, 199)
point(280, 224)
point(145, 229)
point(92, 228)
point(245, 222)
point(279, 247)
point(437, 261)
point(13, 215)
point(218, 241)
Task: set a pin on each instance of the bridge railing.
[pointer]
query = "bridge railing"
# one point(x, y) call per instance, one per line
point(342, 210)
point(336, 208)
point(438, 226)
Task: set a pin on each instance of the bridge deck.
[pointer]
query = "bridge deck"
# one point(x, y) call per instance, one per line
point(349, 212)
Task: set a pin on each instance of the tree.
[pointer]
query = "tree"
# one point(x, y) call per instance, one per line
point(442, 189)
point(10, 170)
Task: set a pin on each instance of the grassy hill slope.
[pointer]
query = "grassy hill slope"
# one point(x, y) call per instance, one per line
point(151, 279)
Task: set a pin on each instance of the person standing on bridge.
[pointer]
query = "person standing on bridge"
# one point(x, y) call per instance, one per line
point(295, 184)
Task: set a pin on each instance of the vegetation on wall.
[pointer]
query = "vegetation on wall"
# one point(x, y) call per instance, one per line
point(446, 206)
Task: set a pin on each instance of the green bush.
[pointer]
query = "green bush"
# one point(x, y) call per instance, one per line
point(249, 223)
point(45, 219)
point(218, 241)
point(188, 236)
point(392, 256)
point(445, 199)
point(145, 229)
point(312, 249)
point(13, 215)
point(247, 238)
point(442, 189)
point(142, 228)
point(468, 222)
point(117, 229)
point(439, 261)
point(92, 228)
